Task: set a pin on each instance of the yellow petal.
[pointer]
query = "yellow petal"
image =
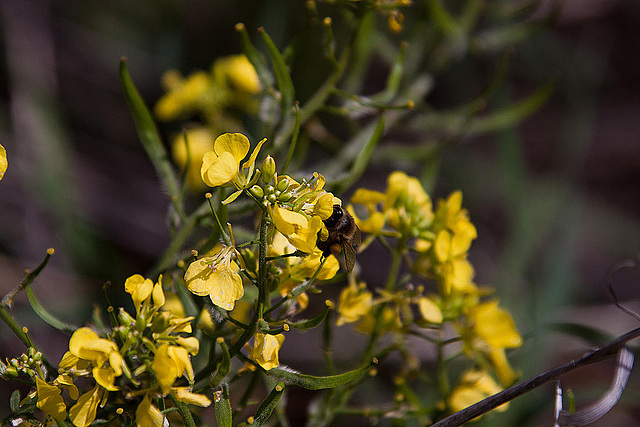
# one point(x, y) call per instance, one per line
point(353, 304)
point(286, 221)
point(50, 401)
point(226, 289)
point(495, 325)
point(442, 246)
point(362, 196)
point(429, 310)
point(218, 169)
point(198, 275)
point(165, 368)
point(158, 294)
point(235, 144)
point(265, 350)
point(84, 411)
point(241, 73)
point(191, 344)
point(105, 377)
point(180, 356)
point(183, 394)
point(148, 415)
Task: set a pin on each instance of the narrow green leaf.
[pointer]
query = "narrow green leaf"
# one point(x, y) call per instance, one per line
point(223, 407)
point(268, 405)
point(591, 335)
point(47, 317)
point(150, 138)
point(362, 160)
point(184, 412)
point(254, 56)
point(317, 383)
point(313, 322)
point(513, 113)
point(285, 84)
point(294, 141)
point(224, 365)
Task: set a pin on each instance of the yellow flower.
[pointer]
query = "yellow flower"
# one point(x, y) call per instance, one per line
point(183, 96)
point(83, 413)
point(169, 363)
point(220, 166)
point(492, 330)
point(301, 232)
point(200, 141)
point(141, 289)
point(354, 303)
point(473, 387)
point(3, 161)
point(50, 401)
point(265, 350)
point(239, 72)
point(494, 325)
point(215, 276)
point(460, 232)
point(101, 353)
point(147, 415)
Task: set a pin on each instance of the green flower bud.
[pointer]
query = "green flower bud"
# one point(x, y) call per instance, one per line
point(257, 191)
point(285, 197)
point(125, 318)
point(268, 169)
point(249, 259)
point(283, 184)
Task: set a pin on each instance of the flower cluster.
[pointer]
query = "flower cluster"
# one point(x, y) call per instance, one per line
point(215, 97)
point(142, 357)
point(434, 244)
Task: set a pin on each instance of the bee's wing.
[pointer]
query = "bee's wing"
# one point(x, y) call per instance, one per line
point(349, 255)
point(357, 238)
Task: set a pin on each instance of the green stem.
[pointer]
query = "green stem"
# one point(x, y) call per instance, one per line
point(263, 292)
point(184, 412)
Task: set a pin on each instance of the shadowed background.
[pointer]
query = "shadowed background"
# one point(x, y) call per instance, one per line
point(555, 199)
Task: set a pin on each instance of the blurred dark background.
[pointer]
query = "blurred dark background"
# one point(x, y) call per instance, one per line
point(555, 199)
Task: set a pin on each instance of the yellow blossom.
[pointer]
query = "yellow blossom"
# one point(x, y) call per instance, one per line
point(169, 363)
point(147, 415)
point(301, 232)
point(220, 166)
point(50, 401)
point(85, 344)
point(139, 288)
point(200, 142)
point(184, 95)
point(474, 386)
point(265, 350)
point(492, 330)
point(3, 161)
point(239, 72)
point(215, 276)
point(354, 303)
point(494, 325)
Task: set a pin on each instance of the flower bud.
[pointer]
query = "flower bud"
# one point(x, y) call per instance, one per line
point(285, 197)
point(257, 191)
point(283, 184)
point(125, 318)
point(268, 169)
point(249, 258)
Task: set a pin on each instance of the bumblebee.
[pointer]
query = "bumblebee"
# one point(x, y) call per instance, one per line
point(344, 235)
